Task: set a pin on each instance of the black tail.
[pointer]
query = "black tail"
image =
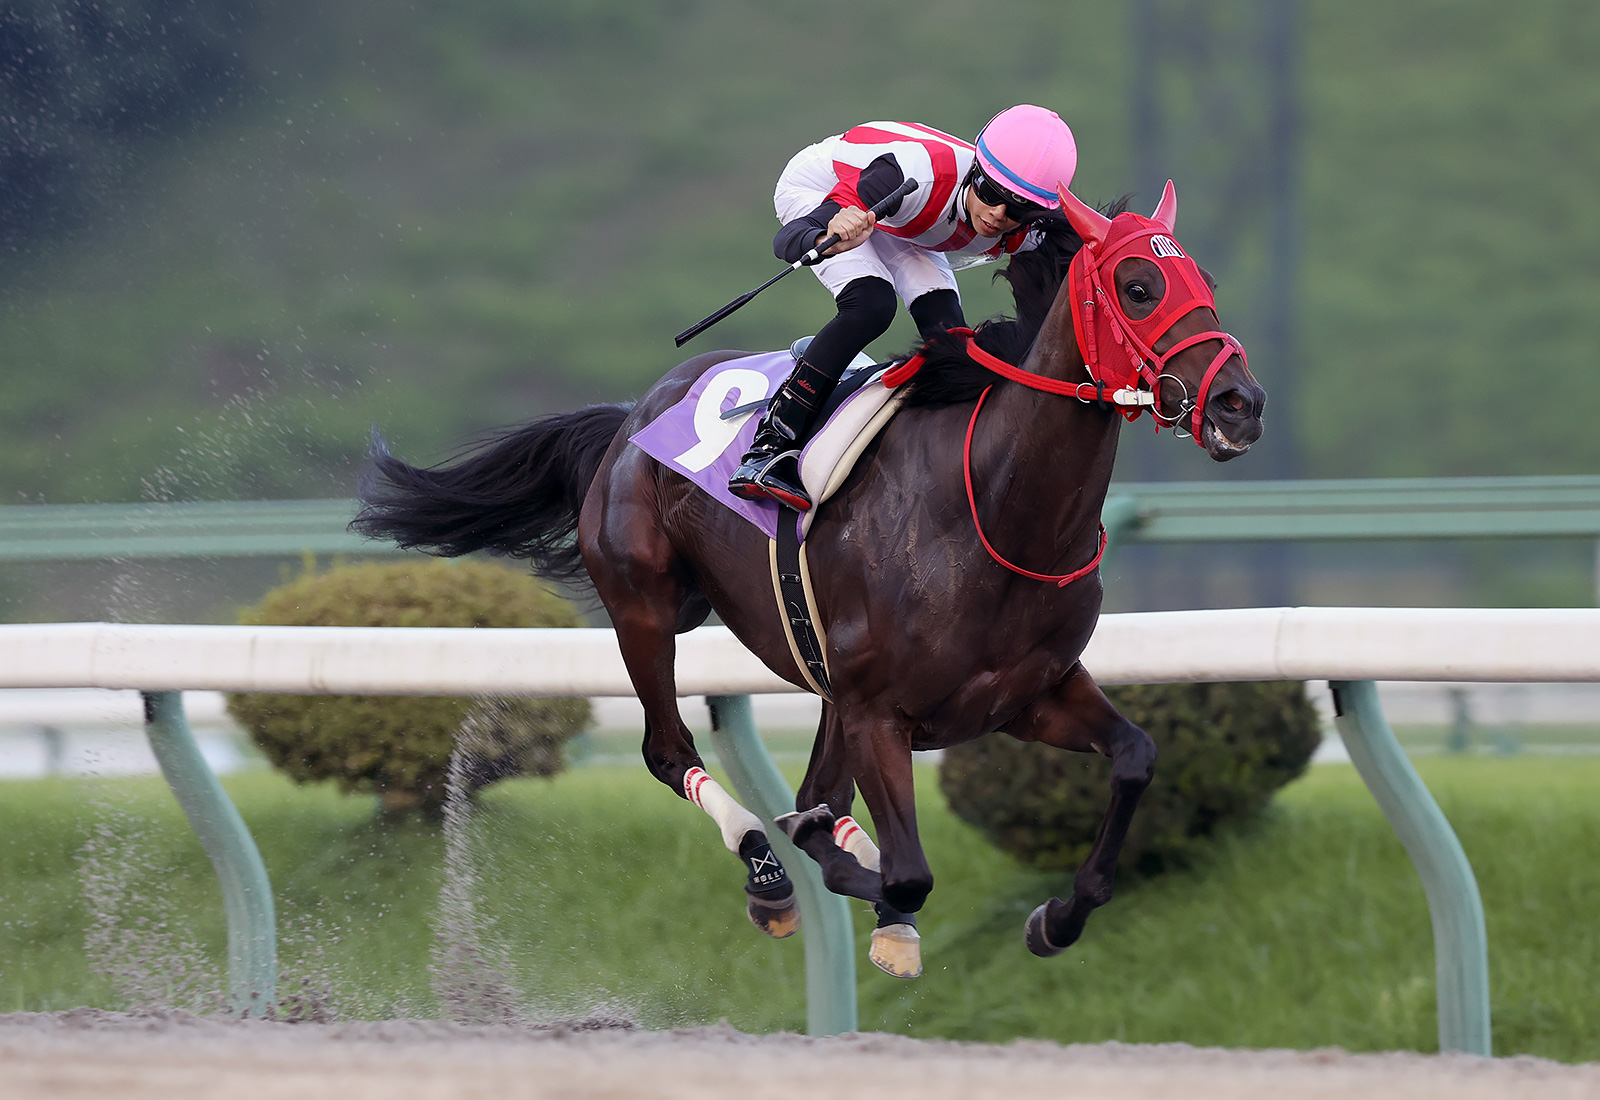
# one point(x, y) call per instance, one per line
point(517, 493)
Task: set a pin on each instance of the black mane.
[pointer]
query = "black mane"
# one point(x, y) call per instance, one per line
point(948, 375)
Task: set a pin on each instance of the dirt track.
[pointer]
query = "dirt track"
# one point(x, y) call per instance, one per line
point(87, 1053)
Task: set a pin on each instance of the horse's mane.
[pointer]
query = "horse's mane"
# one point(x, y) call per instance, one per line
point(948, 375)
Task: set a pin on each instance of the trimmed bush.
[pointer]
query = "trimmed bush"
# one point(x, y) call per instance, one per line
point(1223, 749)
point(399, 747)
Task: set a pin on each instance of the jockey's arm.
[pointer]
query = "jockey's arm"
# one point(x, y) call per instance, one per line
point(849, 220)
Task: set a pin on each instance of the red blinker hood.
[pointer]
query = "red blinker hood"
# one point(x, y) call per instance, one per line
point(1118, 349)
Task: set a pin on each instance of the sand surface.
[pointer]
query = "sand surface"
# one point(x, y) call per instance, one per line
point(172, 1056)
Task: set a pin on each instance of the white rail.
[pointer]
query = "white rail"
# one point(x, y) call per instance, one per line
point(1301, 643)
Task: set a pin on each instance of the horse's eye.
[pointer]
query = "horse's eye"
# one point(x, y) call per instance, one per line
point(1136, 292)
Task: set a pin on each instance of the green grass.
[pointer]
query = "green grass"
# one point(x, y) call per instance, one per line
point(600, 890)
point(1306, 930)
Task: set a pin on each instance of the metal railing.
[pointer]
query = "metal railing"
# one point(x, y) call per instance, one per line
point(1196, 511)
point(1368, 508)
point(245, 528)
point(1350, 647)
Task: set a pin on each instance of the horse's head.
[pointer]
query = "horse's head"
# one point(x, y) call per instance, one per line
point(1143, 311)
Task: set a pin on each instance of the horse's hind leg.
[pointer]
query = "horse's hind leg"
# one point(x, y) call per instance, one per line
point(822, 821)
point(639, 581)
point(1078, 717)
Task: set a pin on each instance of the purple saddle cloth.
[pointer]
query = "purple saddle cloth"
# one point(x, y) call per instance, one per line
point(692, 438)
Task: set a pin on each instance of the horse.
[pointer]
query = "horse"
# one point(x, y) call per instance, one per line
point(934, 636)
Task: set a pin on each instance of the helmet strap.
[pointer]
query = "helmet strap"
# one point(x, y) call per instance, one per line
point(963, 214)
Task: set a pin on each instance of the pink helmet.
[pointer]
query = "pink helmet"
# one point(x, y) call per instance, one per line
point(1028, 151)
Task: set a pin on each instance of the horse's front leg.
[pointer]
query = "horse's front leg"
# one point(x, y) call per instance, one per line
point(851, 863)
point(1075, 715)
point(878, 750)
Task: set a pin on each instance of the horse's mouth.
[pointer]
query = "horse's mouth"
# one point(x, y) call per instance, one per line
point(1219, 446)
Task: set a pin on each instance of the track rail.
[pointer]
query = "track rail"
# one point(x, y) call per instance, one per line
point(1298, 643)
point(1349, 647)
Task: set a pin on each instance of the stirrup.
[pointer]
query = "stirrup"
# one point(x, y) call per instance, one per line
point(757, 478)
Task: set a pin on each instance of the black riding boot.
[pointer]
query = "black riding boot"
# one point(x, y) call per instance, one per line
point(771, 468)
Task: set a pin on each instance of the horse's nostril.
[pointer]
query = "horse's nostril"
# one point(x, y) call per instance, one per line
point(1233, 402)
point(1240, 403)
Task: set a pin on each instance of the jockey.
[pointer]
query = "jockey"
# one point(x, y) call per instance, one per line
point(971, 202)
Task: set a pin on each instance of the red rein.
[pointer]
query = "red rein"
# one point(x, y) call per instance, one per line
point(905, 370)
point(1062, 579)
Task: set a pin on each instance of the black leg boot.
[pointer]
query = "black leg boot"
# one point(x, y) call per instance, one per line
point(771, 468)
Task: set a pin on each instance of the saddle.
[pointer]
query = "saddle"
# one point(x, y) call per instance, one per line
point(852, 417)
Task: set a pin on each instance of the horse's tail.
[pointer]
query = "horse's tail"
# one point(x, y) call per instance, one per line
point(516, 493)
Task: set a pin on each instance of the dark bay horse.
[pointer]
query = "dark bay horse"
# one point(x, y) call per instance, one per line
point(931, 640)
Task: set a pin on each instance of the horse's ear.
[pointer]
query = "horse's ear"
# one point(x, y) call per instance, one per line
point(1167, 209)
point(1089, 223)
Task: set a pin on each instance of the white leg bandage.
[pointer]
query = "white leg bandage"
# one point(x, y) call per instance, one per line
point(733, 819)
point(854, 839)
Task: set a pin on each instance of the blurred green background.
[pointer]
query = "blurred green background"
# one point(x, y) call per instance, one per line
point(237, 236)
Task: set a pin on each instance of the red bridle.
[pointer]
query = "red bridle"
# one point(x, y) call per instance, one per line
point(1118, 350)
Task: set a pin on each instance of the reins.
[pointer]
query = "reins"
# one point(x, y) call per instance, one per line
point(1061, 579)
point(1095, 392)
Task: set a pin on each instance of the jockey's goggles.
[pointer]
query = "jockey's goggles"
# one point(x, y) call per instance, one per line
point(992, 194)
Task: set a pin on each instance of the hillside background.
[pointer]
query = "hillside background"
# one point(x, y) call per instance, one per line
point(237, 236)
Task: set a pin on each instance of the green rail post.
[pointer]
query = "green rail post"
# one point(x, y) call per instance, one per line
point(1460, 941)
point(824, 915)
point(246, 893)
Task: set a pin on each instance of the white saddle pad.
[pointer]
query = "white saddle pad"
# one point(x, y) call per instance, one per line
point(828, 459)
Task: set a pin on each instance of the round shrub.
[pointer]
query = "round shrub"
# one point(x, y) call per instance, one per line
point(1222, 750)
point(399, 747)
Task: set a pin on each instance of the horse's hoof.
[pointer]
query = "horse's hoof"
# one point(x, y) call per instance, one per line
point(778, 917)
point(1034, 934)
point(897, 950)
point(801, 824)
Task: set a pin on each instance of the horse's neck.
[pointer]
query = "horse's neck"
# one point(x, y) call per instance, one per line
point(1052, 453)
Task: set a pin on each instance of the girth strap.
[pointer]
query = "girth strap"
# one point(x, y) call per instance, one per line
point(792, 585)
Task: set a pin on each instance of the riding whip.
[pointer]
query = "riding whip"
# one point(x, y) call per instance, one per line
point(810, 257)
